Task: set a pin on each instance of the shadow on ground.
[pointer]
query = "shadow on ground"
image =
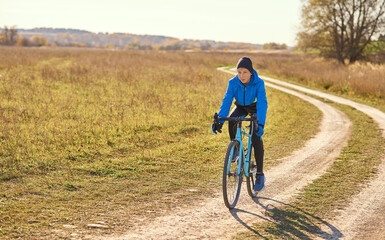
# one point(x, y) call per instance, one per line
point(285, 221)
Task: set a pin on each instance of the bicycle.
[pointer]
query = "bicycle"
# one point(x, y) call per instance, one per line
point(237, 160)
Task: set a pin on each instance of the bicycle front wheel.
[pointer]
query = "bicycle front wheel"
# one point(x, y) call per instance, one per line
point(232, 181)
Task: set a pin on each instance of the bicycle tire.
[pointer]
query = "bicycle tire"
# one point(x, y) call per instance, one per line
point(231, 181)
point(250, 182)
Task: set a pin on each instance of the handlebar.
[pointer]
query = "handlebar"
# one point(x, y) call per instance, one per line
point(235, 119)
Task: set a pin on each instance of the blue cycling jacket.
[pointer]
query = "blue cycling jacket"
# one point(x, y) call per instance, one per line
point(253, 92)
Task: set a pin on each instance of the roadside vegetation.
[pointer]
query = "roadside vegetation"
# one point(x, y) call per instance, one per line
point(89, 136)
point(361, 81)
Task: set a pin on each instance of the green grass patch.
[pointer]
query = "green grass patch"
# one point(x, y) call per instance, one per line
point(355, 166)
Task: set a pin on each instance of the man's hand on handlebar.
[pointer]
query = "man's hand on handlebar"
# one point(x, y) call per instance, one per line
point(216, 127)
point(258, 127)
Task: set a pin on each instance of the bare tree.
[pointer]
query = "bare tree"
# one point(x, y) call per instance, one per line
point(13, 35)
point(9, 35)
point(341, 28)
point(5, 34)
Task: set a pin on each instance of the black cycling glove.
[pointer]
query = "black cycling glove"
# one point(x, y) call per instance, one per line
point(216, 127)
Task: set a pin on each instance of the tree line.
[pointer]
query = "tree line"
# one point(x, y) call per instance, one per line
point(275, 46)
point(9, 36)
point(80, 38)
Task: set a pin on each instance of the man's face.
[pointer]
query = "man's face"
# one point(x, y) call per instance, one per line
point(244, 75)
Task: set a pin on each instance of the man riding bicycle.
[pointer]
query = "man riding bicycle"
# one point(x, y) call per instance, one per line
point(250, 99)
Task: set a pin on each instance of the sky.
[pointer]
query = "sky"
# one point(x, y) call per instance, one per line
point(249, 21)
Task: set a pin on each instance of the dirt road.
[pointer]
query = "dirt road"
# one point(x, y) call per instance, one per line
point(364, 218)
point(210, 219)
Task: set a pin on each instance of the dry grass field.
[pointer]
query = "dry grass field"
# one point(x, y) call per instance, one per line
point(360, 81)
point(91, 136)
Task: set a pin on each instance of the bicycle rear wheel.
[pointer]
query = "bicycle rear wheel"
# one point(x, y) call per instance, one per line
point(232, 181)
point(250, 180)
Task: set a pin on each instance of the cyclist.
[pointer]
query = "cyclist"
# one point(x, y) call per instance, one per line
point(250, 99)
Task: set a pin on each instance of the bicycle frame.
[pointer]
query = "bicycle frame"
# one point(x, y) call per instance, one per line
point(245, 156)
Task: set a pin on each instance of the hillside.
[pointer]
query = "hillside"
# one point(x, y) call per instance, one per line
point(66, 37)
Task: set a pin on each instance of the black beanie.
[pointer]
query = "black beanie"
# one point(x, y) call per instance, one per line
point(245, 62)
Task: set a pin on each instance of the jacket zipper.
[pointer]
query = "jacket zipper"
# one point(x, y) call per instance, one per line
point(244, 93)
